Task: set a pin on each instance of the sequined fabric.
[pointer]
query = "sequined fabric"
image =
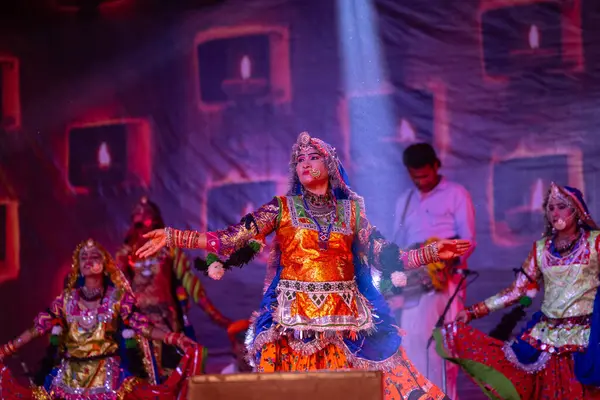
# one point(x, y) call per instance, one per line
point(90, 365)
point(236, 236)
point(337, 306)
point(90, 368)
point(518, 288)
point(87, 330)
point(317, 289)
point(570, 282)
point(402, 382)
point(298, 239)
point(131, 388)
point(97, 379)
point(560, 335)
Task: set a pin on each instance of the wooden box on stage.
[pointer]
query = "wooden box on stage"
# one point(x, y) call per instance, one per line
point(350, 385)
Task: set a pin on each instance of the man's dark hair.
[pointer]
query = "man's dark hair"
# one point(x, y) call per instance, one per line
point(420, 155)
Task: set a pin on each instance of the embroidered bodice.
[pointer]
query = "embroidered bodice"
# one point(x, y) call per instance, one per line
point(85, 327)
point(89, 366)
point(317, 288)
point(298, 236)
point(570, 282)
point(570, 286)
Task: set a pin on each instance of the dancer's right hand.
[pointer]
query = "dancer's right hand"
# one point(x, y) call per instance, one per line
point(157, 240)
point(463, 316)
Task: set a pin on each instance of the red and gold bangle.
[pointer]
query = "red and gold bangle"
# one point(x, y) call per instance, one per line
point(192, 240)
point(420, 258)
point(470, 315)
point(430, 254)
point(171, 338)
point(478, 310)
point(434, 252)
point(413, 259)
point(8, 349)
point(182, 239)
point(427, 256)
point(177, 237)
point(169, 234)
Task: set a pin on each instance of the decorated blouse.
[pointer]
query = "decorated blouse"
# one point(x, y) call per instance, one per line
point(570, 284)
point(317, 290)
point(89, 366)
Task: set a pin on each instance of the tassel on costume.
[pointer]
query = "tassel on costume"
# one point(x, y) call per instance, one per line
point(503, 331)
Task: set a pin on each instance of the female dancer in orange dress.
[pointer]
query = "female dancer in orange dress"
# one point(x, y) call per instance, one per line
point(321, 311)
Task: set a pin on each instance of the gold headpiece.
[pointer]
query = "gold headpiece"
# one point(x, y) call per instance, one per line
point(304, 138)
point(556, 193)
point(305, 143)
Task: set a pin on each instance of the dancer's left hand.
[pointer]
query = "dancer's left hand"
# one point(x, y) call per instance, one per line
point(449, 249)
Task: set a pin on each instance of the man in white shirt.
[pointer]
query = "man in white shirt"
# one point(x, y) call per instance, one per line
point(435, 208)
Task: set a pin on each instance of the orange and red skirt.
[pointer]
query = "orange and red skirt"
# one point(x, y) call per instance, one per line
point(403, 381)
